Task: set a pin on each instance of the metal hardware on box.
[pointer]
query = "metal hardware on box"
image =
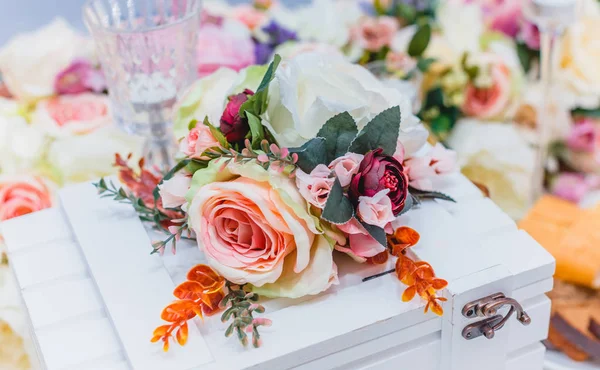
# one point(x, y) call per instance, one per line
point(488, 307)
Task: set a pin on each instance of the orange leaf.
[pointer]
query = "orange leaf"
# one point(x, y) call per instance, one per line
point(213, 307)
point(436, 308)
point(156, 338)
point(166, 345)
point(161, 330)
point(182, 334)
point(422, 287)
point(189, 290)
point(207, 277)
point(424, 272)
point(378, 259)
point(409, 294)
point(179, 311)
point(404, 267)
point(406, 235)
point(439, 284)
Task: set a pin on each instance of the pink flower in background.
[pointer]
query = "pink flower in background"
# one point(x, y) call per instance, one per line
point(571, 186)
point(315, 187)
point(488, 102)
point(73, 114)
point(374, 33)
point(421, 170)
point(584, 136)
point(530, 33)
point(21, 195)
point(361, 244)
point(172, 191)
point(249, 15)
point(345, 167)
point(221, 46)
point(79, 77)
point(398, 61)
point(376, 210)
point(504, 16)
point(197, 141)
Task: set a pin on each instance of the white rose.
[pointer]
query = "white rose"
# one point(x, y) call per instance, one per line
point(21, 145)
point(579, 57)
point(29, 63)
point(87, 157)
point(497, 156)
point(311, 88)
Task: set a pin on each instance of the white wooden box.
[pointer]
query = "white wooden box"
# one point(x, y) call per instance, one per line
point(94, 295)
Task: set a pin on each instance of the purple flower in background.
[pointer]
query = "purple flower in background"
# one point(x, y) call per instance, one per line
point(79, 77)
point(277, 36)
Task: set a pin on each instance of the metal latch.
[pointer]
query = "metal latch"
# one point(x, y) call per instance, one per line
point(488, 307)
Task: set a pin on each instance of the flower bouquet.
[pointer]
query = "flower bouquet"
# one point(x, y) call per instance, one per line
point(315, 158)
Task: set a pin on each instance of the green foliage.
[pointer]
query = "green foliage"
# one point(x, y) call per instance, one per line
point(382, 132)
point(240, 309)
point(338, 209)
point(424, 63)
point(311, 154)
point(420, 41)
point(426, 194)
point(257, 130)
point(257, 103)
point(216, 133)
point(376, 232)
point(338, 132)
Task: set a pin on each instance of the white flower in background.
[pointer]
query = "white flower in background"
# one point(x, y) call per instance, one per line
point(579, 57)
point(21, 145)
point(311, 88)
point(322, 21)
point(497, 156)
point(87, 157)
point(29, 63)
point(455, 38)
point(291, 49)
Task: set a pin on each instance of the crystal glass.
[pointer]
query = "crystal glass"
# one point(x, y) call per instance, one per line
point(147, 49)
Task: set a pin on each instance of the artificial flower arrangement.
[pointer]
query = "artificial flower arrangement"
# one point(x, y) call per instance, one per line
point(269, 217)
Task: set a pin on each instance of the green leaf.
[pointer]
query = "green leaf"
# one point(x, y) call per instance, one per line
point(409, 203)
point(376, 232)
point(257, 103)
point(338, 132)
point(424, 63)
point(338, 209)
point(406, 12)
point(192, 124)
point(471, 71)
point(216, 133)
point(382, 132)
point(420, 41)
point(524, 55)
point(592, 113)
point(441, 126)
point(256, 129)
point(270, 73)
point(426, 194)
point(169, 175)
point(311, 154)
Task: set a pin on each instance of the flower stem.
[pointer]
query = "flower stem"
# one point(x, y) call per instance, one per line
point(378, 275)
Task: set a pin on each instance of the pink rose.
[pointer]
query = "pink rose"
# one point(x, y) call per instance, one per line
point(79, 77)
point(73, 114)
point(346, 166)
point(488, 102)
point(573, 186)
point(172, 191)
point(361, 244)
point(530, 33)
point(21, 195)
point(398, 61)
point(223, 46)
point(584, 136)
point(505, 16)
point(249, 15)
point(376, 210)
point(315, 187)
point(197, 141)
point(374, 33)
point(254, 232)
point(421, 170)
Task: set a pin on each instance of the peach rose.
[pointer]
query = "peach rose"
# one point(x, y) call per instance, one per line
point(73, 114)
point(346, 166)
point(20, 195)
point(489, 101)
point(374, 33)
point(254, 227)
point(198, 140)
point(315, 186)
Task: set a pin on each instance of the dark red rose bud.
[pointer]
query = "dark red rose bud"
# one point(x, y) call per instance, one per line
point(234, 127)
point(378, 172)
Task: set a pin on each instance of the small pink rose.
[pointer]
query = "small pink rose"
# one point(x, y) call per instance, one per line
point(422, 170)
point(361, 244)
point(346, 166)
point(315, 187)
point(584, 136)
point(530, 33)
point(374, 33)
point(376, 210)
point(172, 191)
point(571, 186)
point(73, 114)
point(249, 16)
point(221, 46)
point(20, 195)
point(488, 102)
point(79, 77)
point(399, 61)
point(198, 140)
